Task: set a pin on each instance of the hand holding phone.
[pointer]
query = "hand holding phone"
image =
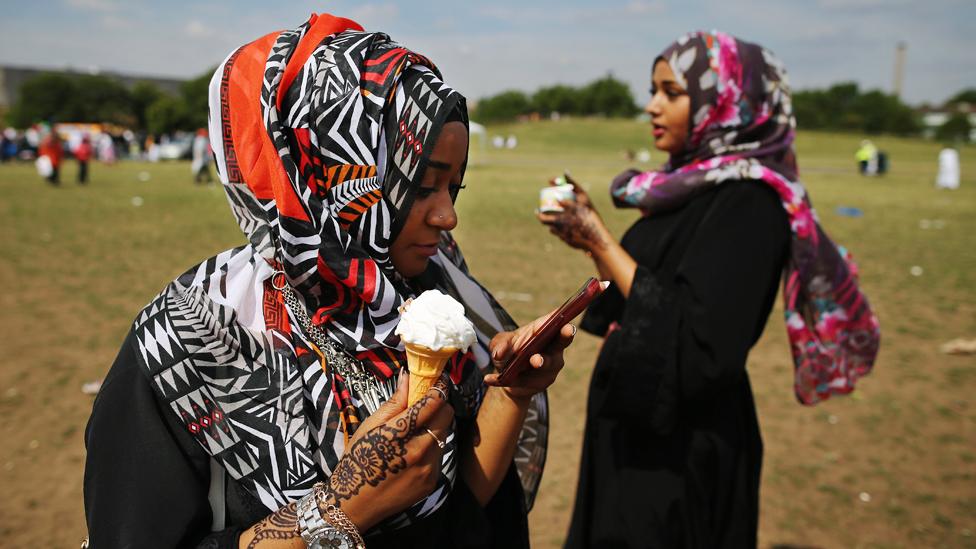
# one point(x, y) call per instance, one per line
point(544, 335)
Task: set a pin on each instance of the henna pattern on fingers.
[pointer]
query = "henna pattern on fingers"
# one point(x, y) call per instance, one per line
point(578, 226)
point(375, 457)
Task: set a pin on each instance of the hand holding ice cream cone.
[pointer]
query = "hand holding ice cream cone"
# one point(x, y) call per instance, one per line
point(432, 327)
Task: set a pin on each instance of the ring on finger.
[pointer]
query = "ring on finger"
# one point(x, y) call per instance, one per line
point(441, 391)
point(440, 443)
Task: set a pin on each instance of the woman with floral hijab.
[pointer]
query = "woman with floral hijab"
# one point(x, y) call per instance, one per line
point(259, 400)
point(672, 451)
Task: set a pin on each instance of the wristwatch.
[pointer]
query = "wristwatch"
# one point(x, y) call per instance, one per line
point(318, 532)
point(315, 530)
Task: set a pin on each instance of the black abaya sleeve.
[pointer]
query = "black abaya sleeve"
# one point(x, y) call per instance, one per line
point(141, 487)
point(687, 326)
point(604, 310)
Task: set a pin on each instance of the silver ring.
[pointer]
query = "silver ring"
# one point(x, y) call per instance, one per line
point(574, 330)
point(441, 391)
point(440, 443)
point(284, 280)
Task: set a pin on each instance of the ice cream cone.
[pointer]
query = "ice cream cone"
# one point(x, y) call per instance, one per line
point(425, 367)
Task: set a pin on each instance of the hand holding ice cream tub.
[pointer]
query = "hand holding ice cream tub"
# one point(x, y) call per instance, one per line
point(433, 327)
point(559, 190)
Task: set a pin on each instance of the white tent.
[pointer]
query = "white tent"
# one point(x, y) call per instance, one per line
point(475, 128)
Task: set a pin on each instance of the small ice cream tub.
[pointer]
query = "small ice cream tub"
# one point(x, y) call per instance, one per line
point(549, 197)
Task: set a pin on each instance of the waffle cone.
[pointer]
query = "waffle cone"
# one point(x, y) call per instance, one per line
point(425, 367)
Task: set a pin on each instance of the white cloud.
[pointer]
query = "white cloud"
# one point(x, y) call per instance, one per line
point(373, 15)
point(643, 7)
point(541, 17)
point(821, 31)
point(502, 13)
point(104, 6)
point(115, 22)
point(196, 28)
point(861, 4)
point(445, 24)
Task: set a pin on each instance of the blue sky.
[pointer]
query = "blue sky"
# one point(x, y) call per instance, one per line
point(486, 47)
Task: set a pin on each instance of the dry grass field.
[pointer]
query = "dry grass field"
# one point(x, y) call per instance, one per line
point(893, 465)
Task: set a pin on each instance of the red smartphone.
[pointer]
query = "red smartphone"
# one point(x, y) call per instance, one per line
point(548, 331)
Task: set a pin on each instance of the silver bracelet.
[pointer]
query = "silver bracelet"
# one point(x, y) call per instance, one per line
point(320, 533)
point(339, 520)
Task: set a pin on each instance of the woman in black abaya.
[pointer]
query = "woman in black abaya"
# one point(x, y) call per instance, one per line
point(672, 451)
point(258, 400)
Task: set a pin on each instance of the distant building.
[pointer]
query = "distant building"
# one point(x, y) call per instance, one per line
point(12, 78)
point(934, 117)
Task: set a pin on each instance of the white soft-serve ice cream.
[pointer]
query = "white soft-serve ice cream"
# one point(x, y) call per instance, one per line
point(432, 327)
point(436, 321)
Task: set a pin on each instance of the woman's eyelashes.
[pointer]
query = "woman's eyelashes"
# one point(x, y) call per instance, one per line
point(671, 93)
point(452, 188)
point(425, 192)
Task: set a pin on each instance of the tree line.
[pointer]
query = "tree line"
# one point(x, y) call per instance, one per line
point(844, 107)
point(96, 98)
point(54, 97)
point(957, 127)
point(606, 96)
point(841, 107)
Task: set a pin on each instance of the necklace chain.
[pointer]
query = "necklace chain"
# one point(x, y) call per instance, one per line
point(360, 381)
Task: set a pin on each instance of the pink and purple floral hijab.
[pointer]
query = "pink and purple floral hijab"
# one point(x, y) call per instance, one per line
point(742, 128)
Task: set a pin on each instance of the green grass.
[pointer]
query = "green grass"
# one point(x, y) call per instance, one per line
point(77, 263)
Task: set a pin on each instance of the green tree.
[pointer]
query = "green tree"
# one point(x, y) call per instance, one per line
point(844, 107)
point(840, 101)
point(196, 95)
point(883, 113)
point(811, 108)
point(167, 114)
point(67, 98)
point(559, 98)
point(45, 97)
point(143, 94)
point(608, 97)
point(102, 99)
point(843, 95)
point(956, 128)
point(504, 106)
point(965, 96)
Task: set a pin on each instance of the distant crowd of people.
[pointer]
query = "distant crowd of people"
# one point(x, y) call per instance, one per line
point(25, 145)
point(49, 146)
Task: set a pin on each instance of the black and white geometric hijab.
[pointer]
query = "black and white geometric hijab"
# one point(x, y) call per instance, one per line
point(321, 135)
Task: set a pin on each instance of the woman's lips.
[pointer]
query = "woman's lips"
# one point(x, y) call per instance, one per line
point(658, 131)
point(428, 250)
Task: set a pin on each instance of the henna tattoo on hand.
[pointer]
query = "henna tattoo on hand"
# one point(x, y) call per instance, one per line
point(373, 458)
point(579, 226)
point(280, 525)
point(378, 455)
